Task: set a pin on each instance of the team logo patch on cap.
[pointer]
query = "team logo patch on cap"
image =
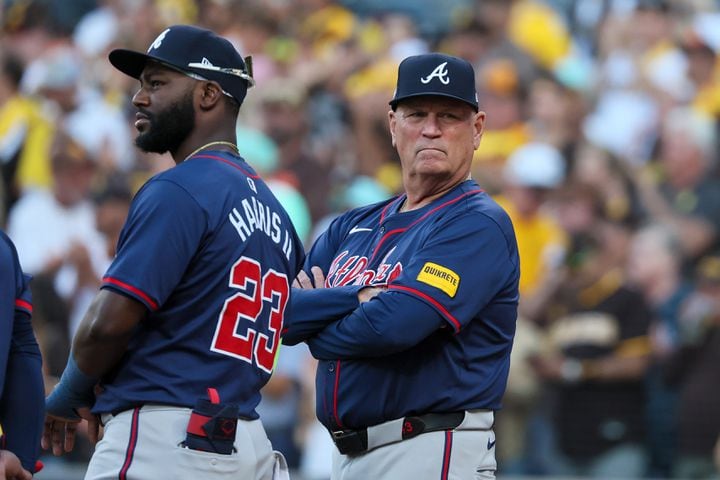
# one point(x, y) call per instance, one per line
point(158, 41)
point(440, 73)
point(439, 277)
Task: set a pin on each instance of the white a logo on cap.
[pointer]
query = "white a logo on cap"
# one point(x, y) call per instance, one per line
point(440, 73)
point(158, 41)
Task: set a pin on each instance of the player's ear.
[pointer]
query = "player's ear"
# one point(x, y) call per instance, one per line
point(479, 125)
point(210, 94)
point(392, 122)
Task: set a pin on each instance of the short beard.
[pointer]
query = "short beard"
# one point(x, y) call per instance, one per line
point(168, 128)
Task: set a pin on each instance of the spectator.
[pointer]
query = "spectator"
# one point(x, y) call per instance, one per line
point(596, 359)
point(539, 30)
point(284, 118)
point(687, 195)
point(25, 135)
point(694, 370)
point(610, 177)
point(507, 130)
point(112, 204)
point(495, 17)
point(81, 110)
point(64, 252)
point(641, 74)
point(531, 172)
point(702, 65)
point(655, 268)
point(555, 114)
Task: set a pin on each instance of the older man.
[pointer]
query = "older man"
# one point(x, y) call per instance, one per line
point(412, 303)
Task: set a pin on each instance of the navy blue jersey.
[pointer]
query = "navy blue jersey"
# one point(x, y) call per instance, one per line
point(22, 396)
point(211, 253)
point(439, 338)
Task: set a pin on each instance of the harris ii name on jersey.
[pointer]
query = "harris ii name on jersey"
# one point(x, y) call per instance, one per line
point(257, 216)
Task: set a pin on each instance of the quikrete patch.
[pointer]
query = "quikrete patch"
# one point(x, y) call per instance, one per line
point(439, 277)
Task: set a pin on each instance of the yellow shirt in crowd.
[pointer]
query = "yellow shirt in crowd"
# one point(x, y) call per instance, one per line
point(540, 241)
point(22, 122)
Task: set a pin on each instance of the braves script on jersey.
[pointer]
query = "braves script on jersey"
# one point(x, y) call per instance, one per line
point(458, 256)
point(211, 254)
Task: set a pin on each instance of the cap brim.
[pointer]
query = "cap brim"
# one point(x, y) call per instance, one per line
point(129, 62)
point(133, 63)
point(394, 102)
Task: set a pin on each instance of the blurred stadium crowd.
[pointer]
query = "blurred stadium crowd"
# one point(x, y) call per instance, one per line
point(601, 142)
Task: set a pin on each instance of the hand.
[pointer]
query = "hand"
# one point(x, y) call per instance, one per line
point(304, 282)
point(367, 293)
point(10, 467)
point(59, 433)
point(93, 424)
point(93, 421)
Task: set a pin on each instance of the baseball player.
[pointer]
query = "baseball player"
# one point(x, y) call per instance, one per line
point(183, 332)
point(415, 323)
point(21, 383)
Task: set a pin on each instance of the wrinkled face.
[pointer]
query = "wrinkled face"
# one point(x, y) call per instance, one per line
point(166, 113)
point(436, 137)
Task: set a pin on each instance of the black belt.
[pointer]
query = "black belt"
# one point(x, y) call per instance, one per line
point(356, 441)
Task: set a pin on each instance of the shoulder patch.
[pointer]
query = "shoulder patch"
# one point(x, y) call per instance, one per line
point(439, 277)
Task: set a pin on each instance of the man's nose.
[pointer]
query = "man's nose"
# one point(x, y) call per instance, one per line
point(140, 98)
point(431, 126)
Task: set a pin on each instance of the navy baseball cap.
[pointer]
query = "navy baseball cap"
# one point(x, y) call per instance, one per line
point(194, 51)
point(436, 74)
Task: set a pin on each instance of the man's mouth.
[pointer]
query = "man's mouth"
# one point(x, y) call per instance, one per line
point(434, 149)
point(141, 120)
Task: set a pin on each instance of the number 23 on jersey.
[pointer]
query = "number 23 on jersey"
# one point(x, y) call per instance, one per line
point(253, 343)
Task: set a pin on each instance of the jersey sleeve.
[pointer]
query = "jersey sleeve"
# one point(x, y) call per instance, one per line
point(164, 229)
point(7, 305)
point(376, 328)
point(312, 310)
point(15, 300)
point(22, 400)
point(22, 407)
point(461, 267)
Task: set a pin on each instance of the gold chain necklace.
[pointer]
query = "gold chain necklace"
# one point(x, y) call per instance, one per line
point(219, 142)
